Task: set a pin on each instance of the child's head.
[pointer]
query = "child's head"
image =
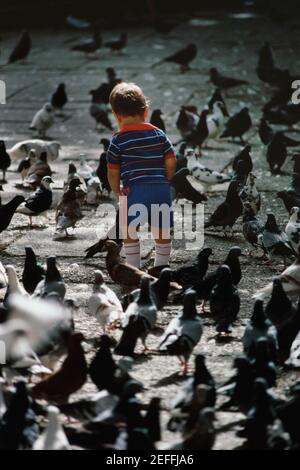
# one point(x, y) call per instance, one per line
point(128, 100)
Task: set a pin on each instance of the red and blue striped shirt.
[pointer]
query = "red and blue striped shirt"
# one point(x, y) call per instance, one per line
point(140, 151)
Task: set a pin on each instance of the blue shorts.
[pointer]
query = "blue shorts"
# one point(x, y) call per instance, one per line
point(147, 203)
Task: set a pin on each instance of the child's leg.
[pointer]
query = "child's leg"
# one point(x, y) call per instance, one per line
point(163, 245)
point(133, 251)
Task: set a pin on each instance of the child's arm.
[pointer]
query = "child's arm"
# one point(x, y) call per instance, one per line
point(113, 175)
point(170, 166)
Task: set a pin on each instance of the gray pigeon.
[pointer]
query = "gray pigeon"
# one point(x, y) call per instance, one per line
point(53, 282)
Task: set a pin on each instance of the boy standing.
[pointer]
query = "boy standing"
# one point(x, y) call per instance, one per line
point(143, 159)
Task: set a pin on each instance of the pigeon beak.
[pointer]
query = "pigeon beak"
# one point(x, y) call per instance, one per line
point(51, 181)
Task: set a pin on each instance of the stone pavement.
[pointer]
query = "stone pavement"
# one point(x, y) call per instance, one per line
point(229, 43)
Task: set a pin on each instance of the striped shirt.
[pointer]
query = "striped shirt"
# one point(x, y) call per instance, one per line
point(140, 151)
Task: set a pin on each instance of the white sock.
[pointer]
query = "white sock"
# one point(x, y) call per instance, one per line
point(133, 253)
point(162, 254)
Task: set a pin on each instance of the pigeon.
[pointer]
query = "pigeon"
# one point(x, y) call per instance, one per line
point(182, 403)
point(118, 44)
point(22, 149)
point(99, 112)
point(90, 407)
point(33, 272)
point(224, 301)
point(187, 120)
point(260, 416)
point(39, 202)
point(290, 199)
point(287, 330)
point(157, 121)
point(288, 116)
point(159, 288)
point(68, 210)
point(5, 160)
point(188, 275)
point(106, 374)
point(204, 175)
point(290, 279)
point(244, 156)
point(223, 82)
point(287, 413)
point(19, 427)
point(89, 45)
point(233, 262)
point(237, 125)
point(259, 327)
point(274, 241)
point(202, 436)
point(37, 171)
point(183, 332)
point(252, 227)
point(8, 210)
point(227, 213)
point(59, 98)
point(71, 376)
point(265, 61)
point(138, 320)
point(102, 93)
point(217, 97)
point(84, 170)
point(43, 120)
point(152, 419)
point(112, 234)
point(240, 387)
point(52, 283)
point(101, 170)
point(292, 228)
point(250, 195)
point(263, 365)
point(183, 188)
point(276, 154)
point(279, 307)
point(21, 49)
point(265, 132)
point(104, 303)
point(13, 285)
point(121, 272)
point(53, 437)
point(183, 57)
point(26, 163)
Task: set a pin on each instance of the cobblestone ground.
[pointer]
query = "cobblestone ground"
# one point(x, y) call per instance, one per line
point(229, 42)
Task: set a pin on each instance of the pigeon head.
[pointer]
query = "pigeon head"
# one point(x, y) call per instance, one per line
point(213, 72)
point(105, 143)
point(224, 275)
point(295, 210)
point(111, 247)
point(30, 253)
point(111, 73)
point(192, 47)
point(72, 168)
point(189, 304)
point(204, 254)
point(144, 295)
point(48, 107)
point(235, 252)
point(242, 363)
point(244, 110)
point(99, 278)
point(157, 112)
point(61, 87)
point(258, 318)
point(52, 273)
point(2, 146)
point(131, 388)
point(32, 154)
point(46, 182)
point(271, 224)
point(165, 277)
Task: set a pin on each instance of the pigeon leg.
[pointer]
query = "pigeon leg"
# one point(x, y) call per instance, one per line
point(242, 140)
point(185, 367)
point(67, 233)
point(30, 221)
point(202, 307)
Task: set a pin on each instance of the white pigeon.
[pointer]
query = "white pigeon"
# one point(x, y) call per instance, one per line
point(3, 276)
point(249, 193)
point(43, 120)
point(290, 279)
point(94, 190)
point(53, 437)
point(14, 286)
point(104, 303)
point(294, 358)
point(21, 149)
point(215, 121)
point(293, 228)
point(204, 175)
point(85, 170)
